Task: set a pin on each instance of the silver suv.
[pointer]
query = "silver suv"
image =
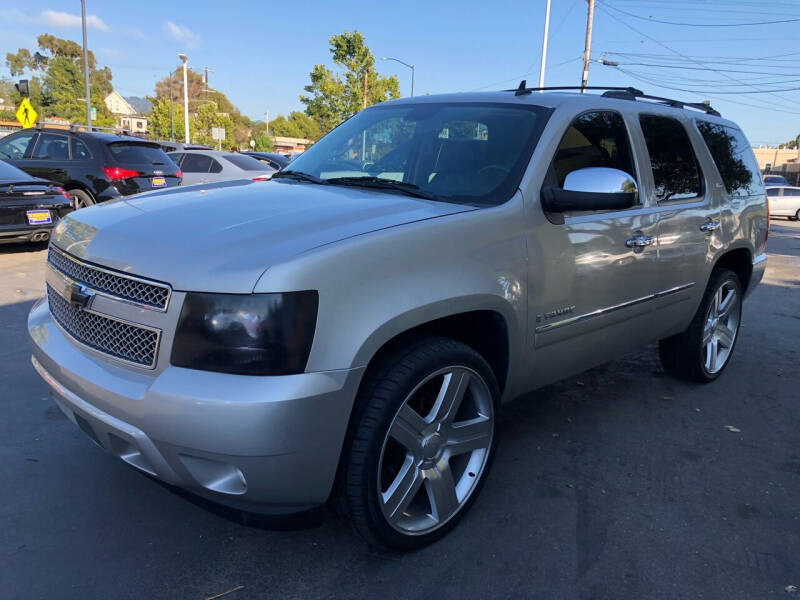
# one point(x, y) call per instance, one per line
point(348, 331)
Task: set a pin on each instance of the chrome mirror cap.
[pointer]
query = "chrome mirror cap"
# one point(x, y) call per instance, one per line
point(601, 180)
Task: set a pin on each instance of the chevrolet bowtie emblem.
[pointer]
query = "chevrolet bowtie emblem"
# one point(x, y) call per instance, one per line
point(80, 296)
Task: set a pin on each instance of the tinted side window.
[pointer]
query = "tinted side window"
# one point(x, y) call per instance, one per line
point(595, 139)
point(195, 163)
point(215, 166)
point(79, 150)
point(773, 192)
point(52, 146)
point(675, 170)
point(791, 192)
point(15, 146)
point(734, 159)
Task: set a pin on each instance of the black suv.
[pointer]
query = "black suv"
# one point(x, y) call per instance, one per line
point(93, 167)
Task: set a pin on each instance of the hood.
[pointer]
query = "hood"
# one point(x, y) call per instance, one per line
point(222, 237)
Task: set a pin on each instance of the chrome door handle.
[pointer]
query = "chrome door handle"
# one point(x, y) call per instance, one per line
point(709, 226)
point(640, 241)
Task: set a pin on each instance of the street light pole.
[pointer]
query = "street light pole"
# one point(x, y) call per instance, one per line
point(406, 64)
point(86, 92)
point(544, 43)
point(185, 98)
point(171, 110)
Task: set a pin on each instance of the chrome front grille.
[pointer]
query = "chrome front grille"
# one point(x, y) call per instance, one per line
point(107, 282)
point(120, 339)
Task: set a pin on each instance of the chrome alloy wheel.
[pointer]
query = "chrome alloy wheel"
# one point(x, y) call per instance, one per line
point(721, 327)
point(435, 450)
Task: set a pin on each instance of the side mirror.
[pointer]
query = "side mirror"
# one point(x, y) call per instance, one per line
point(592, 188)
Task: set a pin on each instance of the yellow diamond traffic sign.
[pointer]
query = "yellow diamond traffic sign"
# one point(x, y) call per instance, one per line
point(26, 114)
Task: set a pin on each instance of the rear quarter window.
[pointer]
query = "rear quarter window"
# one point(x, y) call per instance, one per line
point(132, 154)
point(247, 163)
point(734, 158)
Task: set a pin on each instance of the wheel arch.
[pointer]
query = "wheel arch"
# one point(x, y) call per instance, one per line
point(740, 261)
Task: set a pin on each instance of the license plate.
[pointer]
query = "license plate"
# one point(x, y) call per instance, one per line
point(39, 217)
point(158, 182)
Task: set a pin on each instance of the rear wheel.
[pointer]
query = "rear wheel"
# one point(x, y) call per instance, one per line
point(797, 215)
point(703, 351)
point(80, 199)
point(422, 445)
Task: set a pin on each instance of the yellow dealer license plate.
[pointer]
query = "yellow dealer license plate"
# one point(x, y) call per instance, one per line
point(158, 182)
point(39, 217)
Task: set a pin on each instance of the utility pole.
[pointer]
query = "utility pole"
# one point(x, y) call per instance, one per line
point(587, 47)
point(86, 91)
point(207, 70)
point(185, 98)
point(266, 116)
point(544, 44)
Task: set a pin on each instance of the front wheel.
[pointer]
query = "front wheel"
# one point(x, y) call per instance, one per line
point(423, 441)
point(703, 351)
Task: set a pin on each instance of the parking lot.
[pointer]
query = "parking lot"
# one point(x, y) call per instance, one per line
point(619, 483)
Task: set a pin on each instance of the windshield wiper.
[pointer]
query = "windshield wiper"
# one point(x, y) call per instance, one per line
point(298, 176)
point(411, 189)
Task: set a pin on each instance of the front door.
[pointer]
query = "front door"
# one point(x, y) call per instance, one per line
point(590, 287)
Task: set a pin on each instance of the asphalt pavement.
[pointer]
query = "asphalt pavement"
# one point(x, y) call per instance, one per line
point(621, 483)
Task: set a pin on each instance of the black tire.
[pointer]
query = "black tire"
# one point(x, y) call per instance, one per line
point(379, 400)
point(80, 199)
point(797, 215)
point(683, 355)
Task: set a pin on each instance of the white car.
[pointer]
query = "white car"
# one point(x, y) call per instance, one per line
point(210, 166)
point(784, 200)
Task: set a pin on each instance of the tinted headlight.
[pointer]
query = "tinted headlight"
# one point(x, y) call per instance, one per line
point(252, 334)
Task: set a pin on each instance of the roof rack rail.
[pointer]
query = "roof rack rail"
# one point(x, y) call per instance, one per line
point(624, 93)
point(81, 126)
point(522, 89)
point(633, 94)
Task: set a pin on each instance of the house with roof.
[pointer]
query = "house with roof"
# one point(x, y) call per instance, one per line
point(128, 112)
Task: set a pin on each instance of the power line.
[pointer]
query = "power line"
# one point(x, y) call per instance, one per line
point(651, 20)
point(673, 51)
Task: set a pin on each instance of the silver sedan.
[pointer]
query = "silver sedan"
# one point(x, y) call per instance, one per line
point(208, 166)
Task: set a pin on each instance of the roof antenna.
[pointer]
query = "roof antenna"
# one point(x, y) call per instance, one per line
point(523, 88)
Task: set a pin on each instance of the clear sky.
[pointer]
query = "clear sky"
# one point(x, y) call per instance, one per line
point(262, 52)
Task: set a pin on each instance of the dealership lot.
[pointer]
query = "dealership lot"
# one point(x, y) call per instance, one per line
point(619, 483)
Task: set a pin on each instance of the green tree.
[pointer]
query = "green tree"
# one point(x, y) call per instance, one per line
point(56, 84)
point(263, 143)
point(159, 119)
point(332, 97)
point(204, 120)
point(298, 125)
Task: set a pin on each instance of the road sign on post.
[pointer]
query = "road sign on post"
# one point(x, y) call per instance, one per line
point(26, 114)
point(218, 133)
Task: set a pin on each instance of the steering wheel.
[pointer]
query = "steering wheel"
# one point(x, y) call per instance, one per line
point(504, 170)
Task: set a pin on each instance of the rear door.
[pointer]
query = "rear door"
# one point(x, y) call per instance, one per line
point(195, 167)
point(688, 217)
point(148, 165)
point(50, 158)
point(789, 202)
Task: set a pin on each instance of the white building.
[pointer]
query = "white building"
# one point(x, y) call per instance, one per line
point(127, 117)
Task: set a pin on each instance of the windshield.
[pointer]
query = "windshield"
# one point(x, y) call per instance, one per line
point(460, 152)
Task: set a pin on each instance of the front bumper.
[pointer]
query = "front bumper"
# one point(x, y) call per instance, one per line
point(265, 444)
